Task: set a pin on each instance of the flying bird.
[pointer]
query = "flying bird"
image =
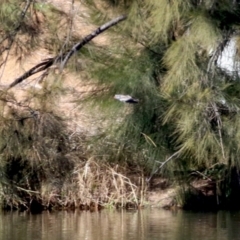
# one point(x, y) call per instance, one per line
point(126, 98)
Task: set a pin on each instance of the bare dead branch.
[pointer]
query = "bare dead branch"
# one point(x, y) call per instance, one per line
point(64, 57)
point(162, 164)
point(88, 38)
point(38, 68)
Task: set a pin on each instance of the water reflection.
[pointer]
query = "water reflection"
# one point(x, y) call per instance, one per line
point(147, 224)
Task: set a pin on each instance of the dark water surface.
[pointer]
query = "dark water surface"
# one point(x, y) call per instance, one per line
point(149, 224)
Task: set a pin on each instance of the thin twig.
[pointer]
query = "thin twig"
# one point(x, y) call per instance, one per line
point(162, 164)
point(219, 123)
point(203, 175)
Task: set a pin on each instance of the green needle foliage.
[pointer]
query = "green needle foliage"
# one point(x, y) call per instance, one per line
point(189, 105)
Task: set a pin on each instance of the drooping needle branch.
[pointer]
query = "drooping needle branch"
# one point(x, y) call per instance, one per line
point(11, 36)
point(64, 57)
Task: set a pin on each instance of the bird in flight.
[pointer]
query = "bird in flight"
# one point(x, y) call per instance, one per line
point(126, 98)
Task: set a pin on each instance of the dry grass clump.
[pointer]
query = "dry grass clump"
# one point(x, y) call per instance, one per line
point(92, 185)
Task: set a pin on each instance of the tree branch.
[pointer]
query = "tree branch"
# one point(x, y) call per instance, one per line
point(88, 38)
point(64, 57)
point(219, 127)
point(162, 164)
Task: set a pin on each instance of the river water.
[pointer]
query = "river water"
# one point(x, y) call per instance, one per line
point(147, 224)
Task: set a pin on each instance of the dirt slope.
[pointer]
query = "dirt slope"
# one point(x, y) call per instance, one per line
point(74, 84)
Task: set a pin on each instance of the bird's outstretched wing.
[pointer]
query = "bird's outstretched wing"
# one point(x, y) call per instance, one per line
point(126, 98)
